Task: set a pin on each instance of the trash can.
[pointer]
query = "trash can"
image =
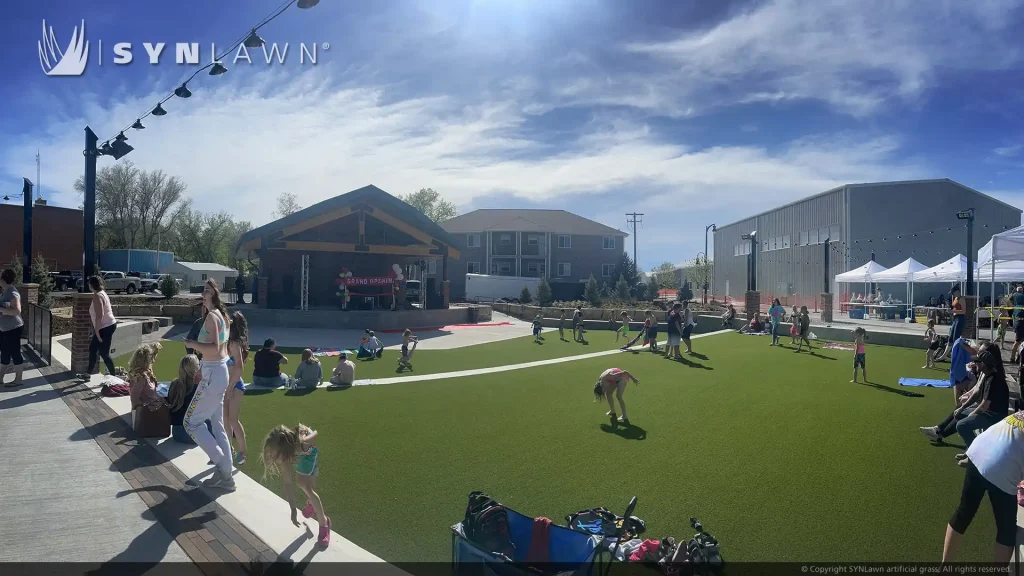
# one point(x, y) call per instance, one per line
point(474, 314)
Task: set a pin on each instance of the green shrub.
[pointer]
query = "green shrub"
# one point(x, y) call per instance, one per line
point(168, 286)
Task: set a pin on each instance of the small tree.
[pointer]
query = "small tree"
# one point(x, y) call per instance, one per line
point(622, 288)
point(653, 291)
point(524, 296)
point(685, 292)
point(664, 275)
point(593, 292)
point(544, 295)
point(15, 265)
point(168, 286)
point(41, 276)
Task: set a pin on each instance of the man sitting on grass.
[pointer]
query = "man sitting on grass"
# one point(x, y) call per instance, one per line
point(345, 372)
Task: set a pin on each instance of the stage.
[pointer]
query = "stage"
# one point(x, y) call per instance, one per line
point(378, 320)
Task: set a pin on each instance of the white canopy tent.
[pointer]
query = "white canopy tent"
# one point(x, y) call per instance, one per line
point(1003, 251)
point(861, 273)
point(902, 272)
point(952, 270)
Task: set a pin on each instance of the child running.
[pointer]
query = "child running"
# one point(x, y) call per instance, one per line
point(794, 326)
point(859, 336)
point(561, 325)
point(805, 330)
point(623, 330)
point(536, 329)
point(296, 449)
point(406, 360)
point(932, 339)
point(644, 332)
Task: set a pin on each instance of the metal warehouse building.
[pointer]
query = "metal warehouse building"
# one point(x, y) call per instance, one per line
point(891, 220)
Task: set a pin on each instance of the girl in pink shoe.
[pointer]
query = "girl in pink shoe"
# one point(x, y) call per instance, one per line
point(286, 448)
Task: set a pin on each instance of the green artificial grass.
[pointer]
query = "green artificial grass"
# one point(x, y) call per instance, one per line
point(780, 456)
point(513, 351)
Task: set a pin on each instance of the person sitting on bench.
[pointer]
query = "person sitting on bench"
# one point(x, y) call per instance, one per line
point(728, 317)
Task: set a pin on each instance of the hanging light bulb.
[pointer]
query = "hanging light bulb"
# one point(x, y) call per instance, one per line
point(159, 110)
point(183, 91)
point(106, 150)
point(138, 125)
point(217, 69)
point(307, 3)
point(254, 40)
point(121, 137)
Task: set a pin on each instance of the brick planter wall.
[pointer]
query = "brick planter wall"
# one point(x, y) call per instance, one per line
point(970, 315)
point(81, 333)
point(752, 303)
point(826, 308)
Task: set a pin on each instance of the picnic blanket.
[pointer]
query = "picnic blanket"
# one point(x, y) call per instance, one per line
point(838, 346)
point(925, 382)
point(757, 333)
point(330, 351)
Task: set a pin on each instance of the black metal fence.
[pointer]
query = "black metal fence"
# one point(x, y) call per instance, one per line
point(38, 329)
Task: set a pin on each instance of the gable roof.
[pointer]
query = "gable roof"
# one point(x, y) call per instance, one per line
point(366, 193)
point(524, 220)
point(205, 267)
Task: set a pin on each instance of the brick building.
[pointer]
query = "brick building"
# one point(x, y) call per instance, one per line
point(56, 233)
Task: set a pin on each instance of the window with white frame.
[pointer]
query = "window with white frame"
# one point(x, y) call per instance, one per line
point(472, 240)
point(607, 270)
point(472, 267)
point(564, 241)
point(564, 269)
point(505, 238)
point(803, 238)
point(812, 237)
point(608, 242)
point(531, 267)
point(432, 267)
point(785, 241)
point(532, 240)
point(501, 267)
point(833, 233)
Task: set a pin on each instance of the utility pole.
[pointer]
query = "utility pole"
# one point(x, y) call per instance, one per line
point(39, 183)
point(634, 219)
point(89, 214)
point(26, 270)
point(712, 228)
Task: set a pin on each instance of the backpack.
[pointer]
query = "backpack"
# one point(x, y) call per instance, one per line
point(486, 524)
point(114, 390)
point(603, 522)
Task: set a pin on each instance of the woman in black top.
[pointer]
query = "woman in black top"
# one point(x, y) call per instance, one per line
point(992, 401)
point(266, 366)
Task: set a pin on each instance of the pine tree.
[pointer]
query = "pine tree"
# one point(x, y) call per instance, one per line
point(622, 288)
point(524, 296)
point(685, 292)
point(15, 265)
point(544, 295)
point(41, 276)
point(593, 292)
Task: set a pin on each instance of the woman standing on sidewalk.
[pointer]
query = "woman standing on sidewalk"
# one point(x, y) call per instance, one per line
point(10, 329)
point(208, 402)
point(101, 315)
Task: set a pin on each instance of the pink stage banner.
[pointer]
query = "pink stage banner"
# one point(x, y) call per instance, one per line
point(371, 281)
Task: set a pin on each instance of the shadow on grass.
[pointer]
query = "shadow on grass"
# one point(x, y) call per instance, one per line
point(337, 388)
point(700, 356)
point(258, 391)
point(885, 388)
point(631, 432)
point(298, 391)
point(691, 363)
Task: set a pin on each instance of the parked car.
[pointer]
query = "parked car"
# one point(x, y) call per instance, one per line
point(120, 282)
point(66, 280)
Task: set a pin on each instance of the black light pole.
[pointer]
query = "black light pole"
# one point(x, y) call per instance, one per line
point(969, 216)
point(89, 238)
point(827, 241)
point(751, 261)
point(26, 193)
point(712, 228)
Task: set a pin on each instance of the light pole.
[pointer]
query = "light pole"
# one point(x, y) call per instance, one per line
point(712, 228)
point(751, 261)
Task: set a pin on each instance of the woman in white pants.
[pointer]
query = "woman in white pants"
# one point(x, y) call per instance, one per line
point(208, 402)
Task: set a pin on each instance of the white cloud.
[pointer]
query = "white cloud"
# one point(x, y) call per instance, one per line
point(856, 56)
point(1008, 151)
point(237, 147)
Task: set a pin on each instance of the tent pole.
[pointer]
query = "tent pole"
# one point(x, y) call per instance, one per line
point(992, 315)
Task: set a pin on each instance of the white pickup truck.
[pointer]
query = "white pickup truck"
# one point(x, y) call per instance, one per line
point(119, 282)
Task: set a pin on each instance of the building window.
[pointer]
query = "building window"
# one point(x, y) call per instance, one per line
point(432, 267)
point(833, 233)
point(565, 241)
point(204, 277)
point(812, 237)
point(608, 242)
point(501, 267)
point(564, 269)
point(533, 240)
point(506, 238)
point(472, 240)
point(531, 267)
point(785, 241)
point(472, 267)
point(765, 246)
point(803, 239)
point(607, 270)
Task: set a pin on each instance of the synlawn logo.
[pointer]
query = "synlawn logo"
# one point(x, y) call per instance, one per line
point(72, 61)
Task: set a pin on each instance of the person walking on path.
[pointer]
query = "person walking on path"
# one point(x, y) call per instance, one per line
point(805, 331)
point(675, 332)
point(238, 350)
point(614, 380)
point(776, 312)
point(104, 324)
point(11, 326)
point(287, 452)
point(208, 402)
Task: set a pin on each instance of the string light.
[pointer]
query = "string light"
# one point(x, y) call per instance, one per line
point(251, 40)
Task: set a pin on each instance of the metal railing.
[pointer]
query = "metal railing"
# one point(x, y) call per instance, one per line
point(38, 329)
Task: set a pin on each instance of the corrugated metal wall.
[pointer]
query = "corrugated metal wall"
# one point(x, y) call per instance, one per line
point(794, 274)
point(149, 261)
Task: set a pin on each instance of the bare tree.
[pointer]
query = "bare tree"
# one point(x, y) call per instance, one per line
point(132, 204)
point(287, 204)
point(430, 202)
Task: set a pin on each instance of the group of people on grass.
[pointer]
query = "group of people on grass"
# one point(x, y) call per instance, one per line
point(800, 324)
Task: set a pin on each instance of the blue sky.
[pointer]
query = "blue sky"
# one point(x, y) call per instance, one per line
point(692, 112)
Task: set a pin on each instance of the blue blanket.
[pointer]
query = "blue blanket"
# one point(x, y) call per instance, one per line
point(925, 382)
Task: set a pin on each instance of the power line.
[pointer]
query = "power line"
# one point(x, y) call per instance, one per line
point(216, 61)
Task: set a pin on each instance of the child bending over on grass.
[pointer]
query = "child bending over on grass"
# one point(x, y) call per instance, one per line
point(537, 329)
point(285, 450)
point(932, 338)
point(561, 325)
point(406, 360)
point(859, 336)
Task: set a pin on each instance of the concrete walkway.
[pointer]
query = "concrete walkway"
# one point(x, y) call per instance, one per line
point(61, 499)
